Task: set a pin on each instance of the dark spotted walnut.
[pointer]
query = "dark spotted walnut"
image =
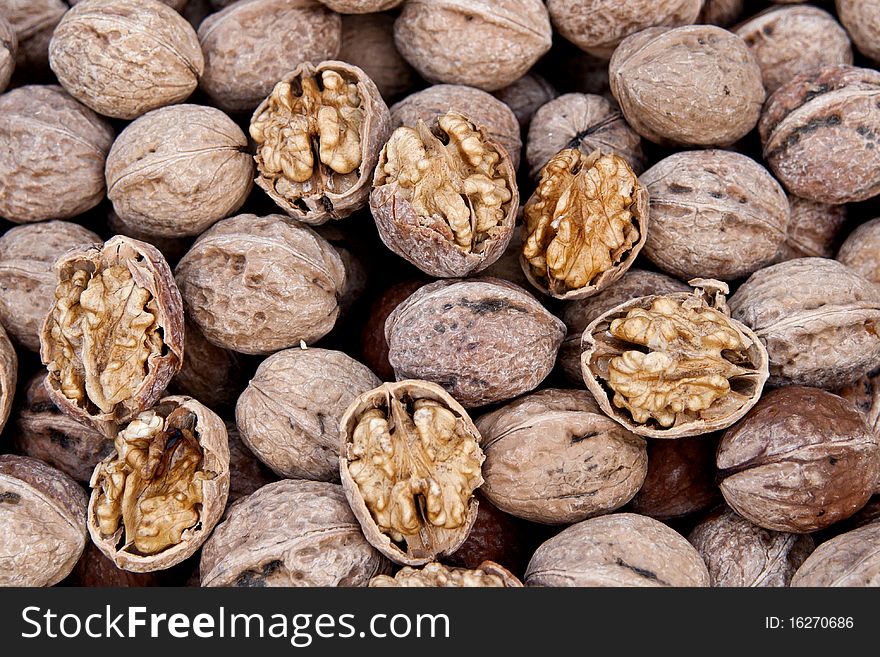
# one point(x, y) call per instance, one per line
point(486, 575)
point(850, 559)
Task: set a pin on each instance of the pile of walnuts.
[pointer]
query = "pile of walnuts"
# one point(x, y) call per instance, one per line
point(434, 293)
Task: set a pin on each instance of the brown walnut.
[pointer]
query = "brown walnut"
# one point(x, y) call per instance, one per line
point(861, 250)
point(374, 346)
point(721, 12)
point(368, 43)
point(33, 22)
point(211, 374)
point(8, 376)
point(861, 19)
point(526, 96)
point(486, 575)
point(812, 229)
point(865, 394)
point(850, 559)
point(247, 474)
point(8, 50)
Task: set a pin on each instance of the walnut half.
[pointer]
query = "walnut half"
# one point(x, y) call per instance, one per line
point(410, 462)
point(667, 366)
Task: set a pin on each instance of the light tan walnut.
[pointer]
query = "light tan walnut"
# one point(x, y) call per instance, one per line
point(410, 463)
point(487, 575)
point(585, 224)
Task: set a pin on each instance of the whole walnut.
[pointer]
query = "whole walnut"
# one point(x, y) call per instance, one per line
point(526, 96)
point(368, 43)
point(374, 346)
point(723, 98)
point(586, 122)
point(598, 26)
point(861, 18)
point(850, 559)
point(621, 549)
point(252, 44)
point(816, 317)
point(721, 12)
point(360, 6)
point(290, 533)
point(812, 229)
point(259, 284)
point(43, 524)
point(739, 553)
point(52, 152)
point(865, 394)
point(484, 43)
point(27, 279)
point(481, 108)
point(831, 105)
point(177, 170)
point(33, 22)
point(800, 460)
point(211, 374)
point(247, 474)
point(483, 340)
point(486, 575)
point(715, 214)
point(8, 50)
point(861, 250)
point(791, 40)
point(553, 457)
point(289, 413)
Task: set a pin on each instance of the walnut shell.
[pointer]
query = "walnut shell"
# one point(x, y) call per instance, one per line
point(290, 533)
point(553, 457)
point(621, 549)
point(850, 559)
point(158, 497)
point(714, 214)
point(177, 5)
point(508, 267)
point(673, 365)
point(248, 47)
point(52, 152)
point(801, 460)
point(8, 376)
point(33, 22)
point(153, 58)
point(860, 250)
point(113, 338)
point(483, 340)
point(163, 171)
point(487, 574)
point(211, 374)
point(812, 229)
point(43, 524)
point(526, 96)
point(865, 394)
point(95, 570)
point(409, 463)
point(817, 319)
point(739, 553)
point(482, 43)
point(8, 50)
point(721, 12)
point(862, 20)
point(724, 95)
point(259, 284)
point(831, 105)
point(368, 43)
point(247, 474)
point(583, 121)
point(289, 414)
point(360, 6)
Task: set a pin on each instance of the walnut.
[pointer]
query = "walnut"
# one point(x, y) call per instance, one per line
point(862, 20)
point(410, 462)
point(791, 40)
point(850, 559)
point(739, 553)
point(692, 370)
point(259, 284)
point(817, 318)
point(865, 394)
point(177, 170)
point(526, 96)
point(33, 22)
point(445, 199)
point(585, 224)
point(859, 251)
point(247, 474)
point(318, 137)
point(357, 259)
point(211, 374)
point(482, 43)
point(715, 214)
point(8, 376)
point(290, 533)
point(123, 58)
point(177, 5)
point(621, 549)
point(831, 105)
point(289, 414)
point(723, 97)
point(553, 457)
point(43, 432)
point(586, 122)
point(721, 12)
point(172, 248)
point(8, 50)
point(157, 498)
point(113, 338)
point(40, 125)
point(483, 340)
point(812, 229)
point(487, 575)
point(266, 39)
point(368, 43)
point(27, 281)
point(360, 6)
point(507, 266)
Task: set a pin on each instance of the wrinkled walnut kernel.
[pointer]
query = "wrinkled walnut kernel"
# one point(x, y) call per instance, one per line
point(487, 575)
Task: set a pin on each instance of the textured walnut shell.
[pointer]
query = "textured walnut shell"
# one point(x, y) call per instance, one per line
point(862, 20)
point(33, 22)
point(8, 50)
point(177, 170)
point(526, 96)
point(8, 376)
point(860, 250)
point(487, 574)
point(432, 541)
point(865, 394)
point(374, 347)
point(246, 473)
point(43, 523)
point(172, 248)
point(850, 559)
point(43, 432)
point(714, 214)
point(817, 319)
point(812, 229)
point(801, 460)
point(360, 6)
point(833, 105)
point(250, 46)
point(721, 12)
point(95, 570)
point(621, 549)
point(724, 93)
point(368, 43)
point(211, 374)
point(483, 340)
point(210, 433)
point(739, 553)
point(481, 43)
point(290, 533)
point(52, 152)
point(289, 413)
point(259, 284)
point(177, 5)
point(583, 121)
point(553, 457)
